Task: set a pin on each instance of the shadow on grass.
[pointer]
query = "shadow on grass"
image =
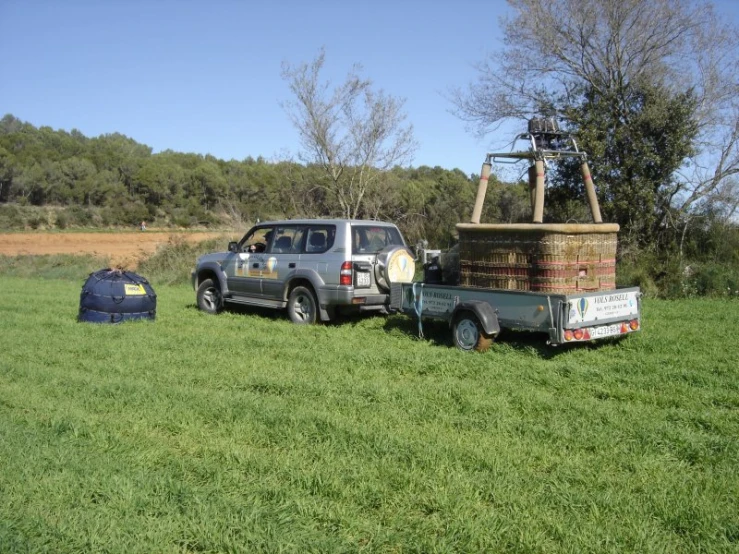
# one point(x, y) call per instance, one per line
point(265, 313)
point(434, 331)
point(439, 334)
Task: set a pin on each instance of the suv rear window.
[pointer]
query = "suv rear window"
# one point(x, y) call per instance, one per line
point(370, 239)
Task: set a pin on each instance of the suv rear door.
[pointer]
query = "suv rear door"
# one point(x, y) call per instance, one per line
point(367, 241)
point(282, 259)
point(316, 257)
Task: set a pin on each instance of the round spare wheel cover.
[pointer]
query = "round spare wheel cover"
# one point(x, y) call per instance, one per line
point(395, 264)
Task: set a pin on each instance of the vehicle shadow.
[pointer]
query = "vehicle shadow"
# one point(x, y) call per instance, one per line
point(266, 313)
point(439, 334)
point(435, 332)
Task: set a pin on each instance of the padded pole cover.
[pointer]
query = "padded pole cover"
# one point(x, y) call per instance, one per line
point(590, 191)
point(532, 186)
point(482, 190)
point(539, 192)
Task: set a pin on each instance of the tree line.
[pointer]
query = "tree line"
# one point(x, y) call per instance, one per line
point(112, 180)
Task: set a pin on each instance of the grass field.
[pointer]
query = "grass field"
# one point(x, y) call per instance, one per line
point(244, 433)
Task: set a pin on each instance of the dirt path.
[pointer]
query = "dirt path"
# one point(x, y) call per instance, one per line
point(123, 249)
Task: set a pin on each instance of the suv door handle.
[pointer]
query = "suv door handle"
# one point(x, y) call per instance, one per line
point(291, 265)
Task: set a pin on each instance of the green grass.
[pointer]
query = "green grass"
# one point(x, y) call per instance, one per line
point(244, 433)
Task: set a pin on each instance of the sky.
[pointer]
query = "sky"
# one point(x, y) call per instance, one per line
point(205, 77)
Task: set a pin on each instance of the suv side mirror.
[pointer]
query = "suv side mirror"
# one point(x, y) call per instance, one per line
point(233, 246)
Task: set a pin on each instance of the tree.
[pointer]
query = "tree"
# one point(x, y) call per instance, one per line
point(638, 154)
point(207, 185)
point(159, 180)
point(616, 60)
point(7, 167)
point(352, 131)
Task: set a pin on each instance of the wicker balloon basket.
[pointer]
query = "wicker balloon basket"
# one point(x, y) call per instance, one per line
point(553, 258)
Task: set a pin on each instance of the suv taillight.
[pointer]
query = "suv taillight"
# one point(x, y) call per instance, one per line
point(345, 277)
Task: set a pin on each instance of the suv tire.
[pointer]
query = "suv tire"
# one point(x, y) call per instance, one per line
point(209, 297)
point(302, 307)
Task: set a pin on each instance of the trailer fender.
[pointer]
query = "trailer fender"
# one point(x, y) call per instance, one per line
point(484, 312)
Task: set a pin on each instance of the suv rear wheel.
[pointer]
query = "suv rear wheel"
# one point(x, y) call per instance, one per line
point(302, 307)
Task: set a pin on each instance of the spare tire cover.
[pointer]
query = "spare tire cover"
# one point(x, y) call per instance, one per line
point(395, 264)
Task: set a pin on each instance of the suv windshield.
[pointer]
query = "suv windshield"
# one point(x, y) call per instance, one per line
point(370, 239)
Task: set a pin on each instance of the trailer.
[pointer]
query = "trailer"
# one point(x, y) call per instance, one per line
point(555, 278)
point(476, 316)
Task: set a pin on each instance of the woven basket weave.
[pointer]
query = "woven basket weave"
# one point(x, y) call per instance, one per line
point(558, 258)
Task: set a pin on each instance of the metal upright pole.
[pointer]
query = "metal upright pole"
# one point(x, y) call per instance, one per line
point(482, 189)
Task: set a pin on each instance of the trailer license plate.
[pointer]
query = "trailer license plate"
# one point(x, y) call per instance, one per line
point(362, 280)
point(606, 331)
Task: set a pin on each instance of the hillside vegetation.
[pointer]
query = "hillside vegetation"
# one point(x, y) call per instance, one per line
point(61, 180)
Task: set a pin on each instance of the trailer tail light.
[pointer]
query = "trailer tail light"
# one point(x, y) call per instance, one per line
point(602, 331)
point(345, 276)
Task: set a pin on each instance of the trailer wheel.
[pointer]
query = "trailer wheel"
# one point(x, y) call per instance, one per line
point(468, 334)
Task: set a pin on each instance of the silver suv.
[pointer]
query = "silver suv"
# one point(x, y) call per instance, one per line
point(313, 267)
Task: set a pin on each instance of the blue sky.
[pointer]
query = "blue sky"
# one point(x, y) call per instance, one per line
point(204, 77)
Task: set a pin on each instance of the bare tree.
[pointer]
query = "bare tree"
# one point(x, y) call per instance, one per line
point(555, 49)
point(354, 132)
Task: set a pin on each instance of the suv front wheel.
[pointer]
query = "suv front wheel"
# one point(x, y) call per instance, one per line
point(302, 307)
point(209, 297)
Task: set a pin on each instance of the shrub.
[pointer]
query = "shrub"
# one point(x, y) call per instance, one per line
point(173, 262)
point(80, 216)
point(11, 217)
point(712, 279)
point(62, 219)
point(636, 272)
point(36, 221)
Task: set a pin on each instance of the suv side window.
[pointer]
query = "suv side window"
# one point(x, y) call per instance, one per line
point(257, 241)
point(286, 240)
point(320, 238)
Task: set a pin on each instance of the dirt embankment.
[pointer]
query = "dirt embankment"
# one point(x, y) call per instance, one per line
point(123, 249)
